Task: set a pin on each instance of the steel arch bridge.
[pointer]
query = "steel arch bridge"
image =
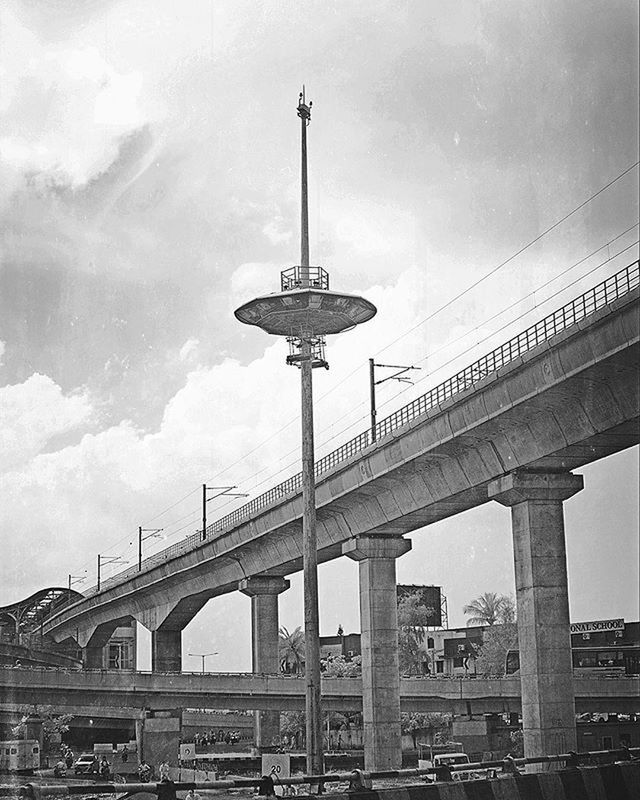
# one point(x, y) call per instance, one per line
point(26, 616)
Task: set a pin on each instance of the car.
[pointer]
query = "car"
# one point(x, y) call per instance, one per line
point(83, 763)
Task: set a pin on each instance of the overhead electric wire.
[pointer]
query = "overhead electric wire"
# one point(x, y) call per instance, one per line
point(437, 311)
point(511, 258)
point(459, 355)
point(449, 344)
point(441, 308)
point(506, 325)
point(453, 359)
point(173, 505)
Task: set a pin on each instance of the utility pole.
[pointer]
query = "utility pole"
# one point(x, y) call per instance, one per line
point(153, 533)
point(108, 560)
point(397, 376)
point(76, 579)
point(223, 491)
point(202, 656)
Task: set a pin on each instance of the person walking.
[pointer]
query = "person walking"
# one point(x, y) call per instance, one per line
point(105, 768)
point(144, 772)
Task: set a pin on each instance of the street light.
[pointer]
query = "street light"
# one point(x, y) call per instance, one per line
point(223, 491)
point(202, 656)
point(108, 560)
point(153, 533)
point(397, 376)
point(305, 311)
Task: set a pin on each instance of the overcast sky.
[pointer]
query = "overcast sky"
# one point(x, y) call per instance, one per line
point(149, 175)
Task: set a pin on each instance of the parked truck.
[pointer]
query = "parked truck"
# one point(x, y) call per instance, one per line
point(19, 755)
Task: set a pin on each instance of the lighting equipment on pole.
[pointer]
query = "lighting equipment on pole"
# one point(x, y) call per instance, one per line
point(305, 311)
point(102, 560)
point(202, 656)
point(152, 533)
point(397, 376)
point(223, 491)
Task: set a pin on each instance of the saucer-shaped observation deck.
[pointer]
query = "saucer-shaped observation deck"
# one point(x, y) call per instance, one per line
point(306, 306)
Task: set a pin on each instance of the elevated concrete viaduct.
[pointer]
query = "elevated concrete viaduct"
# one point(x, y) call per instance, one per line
point(559, 402)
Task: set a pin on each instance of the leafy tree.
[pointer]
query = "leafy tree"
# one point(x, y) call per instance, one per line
point(53, 725)
point(508, 610)
point(433, 725)
point(490, 608)
point(291, 650)
point(413, 619)
point(340, 667)
point(293, 726)
point(492, 653)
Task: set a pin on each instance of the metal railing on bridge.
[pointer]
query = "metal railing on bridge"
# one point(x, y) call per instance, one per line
point(593, 300)
point(608, 774)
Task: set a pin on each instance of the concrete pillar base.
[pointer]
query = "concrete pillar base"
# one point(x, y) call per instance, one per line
point(263, 591)
point(379, 626)
point(546, 672)
point(166, 651)
point(92, 657)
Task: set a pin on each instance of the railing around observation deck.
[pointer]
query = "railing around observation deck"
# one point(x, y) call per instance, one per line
point(592, 300)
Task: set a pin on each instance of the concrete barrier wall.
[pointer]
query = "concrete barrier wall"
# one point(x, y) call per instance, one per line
point(610, 782)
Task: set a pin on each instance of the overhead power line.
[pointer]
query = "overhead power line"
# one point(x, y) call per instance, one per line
point(437, 311)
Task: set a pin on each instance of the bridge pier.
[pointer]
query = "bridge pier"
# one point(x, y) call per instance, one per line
point(92, 657)
point(166, 650)
point(93, 642)
point(546, 672)
point(264, 591)
point(379, 625)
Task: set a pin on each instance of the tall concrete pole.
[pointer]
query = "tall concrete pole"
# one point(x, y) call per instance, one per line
point(310, 566)
point(305, 323)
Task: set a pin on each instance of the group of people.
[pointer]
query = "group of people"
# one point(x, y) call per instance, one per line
point(64, 763)
point(206, 739)
point(100, 767)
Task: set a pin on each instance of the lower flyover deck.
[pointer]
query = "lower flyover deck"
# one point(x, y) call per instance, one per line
point(245, 691)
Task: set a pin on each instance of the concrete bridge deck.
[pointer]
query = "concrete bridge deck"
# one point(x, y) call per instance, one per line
point(561, 404)
point(247, 691)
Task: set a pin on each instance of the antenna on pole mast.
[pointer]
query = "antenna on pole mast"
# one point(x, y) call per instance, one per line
point(304, 112)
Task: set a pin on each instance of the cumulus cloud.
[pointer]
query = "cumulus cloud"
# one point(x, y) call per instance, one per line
point(32, 414)
point(149, 185)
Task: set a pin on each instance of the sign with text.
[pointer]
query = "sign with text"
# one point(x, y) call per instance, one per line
point(598, 625)
point(278, 766)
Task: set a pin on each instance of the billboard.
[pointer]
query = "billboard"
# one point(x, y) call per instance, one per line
point(430, 598)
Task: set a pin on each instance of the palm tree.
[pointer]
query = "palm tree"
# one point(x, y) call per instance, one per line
point(291, 650)
point(488, 609)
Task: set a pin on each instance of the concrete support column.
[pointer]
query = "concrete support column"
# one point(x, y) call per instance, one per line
point(546, 673)
point(92, 657)
point(264, 591)
point(166, 650)
point(379, 625)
